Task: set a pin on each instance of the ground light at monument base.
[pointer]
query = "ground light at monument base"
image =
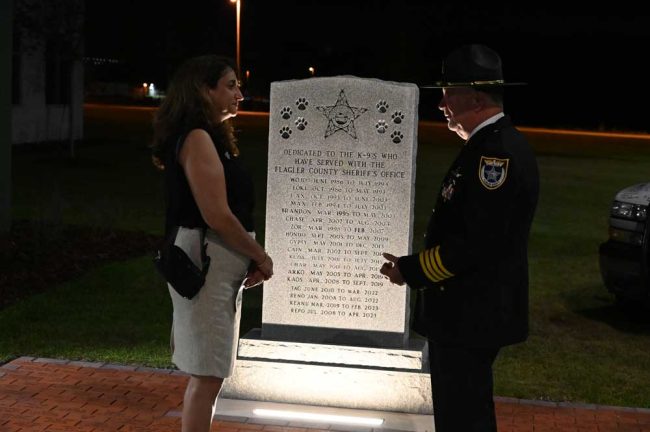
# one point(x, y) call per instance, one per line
point(321, 418)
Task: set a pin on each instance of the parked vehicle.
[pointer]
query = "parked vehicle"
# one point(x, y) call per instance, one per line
point(624, 257)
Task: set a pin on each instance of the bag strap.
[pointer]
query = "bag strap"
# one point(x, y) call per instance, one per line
point(204, 252)
point(172, 191)
point(171, 237)
point(178, 147)
point(177, 150)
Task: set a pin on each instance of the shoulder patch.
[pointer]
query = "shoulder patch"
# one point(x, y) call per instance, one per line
point(492, 172)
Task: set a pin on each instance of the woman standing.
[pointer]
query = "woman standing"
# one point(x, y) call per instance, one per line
point(207, 188)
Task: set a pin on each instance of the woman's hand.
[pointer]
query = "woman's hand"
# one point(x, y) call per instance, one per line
point(253, 278)
point(265, 266)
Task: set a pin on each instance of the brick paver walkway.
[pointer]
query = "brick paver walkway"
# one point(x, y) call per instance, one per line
point(66, 396)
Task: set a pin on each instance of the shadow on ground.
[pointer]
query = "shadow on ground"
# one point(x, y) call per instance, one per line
point(625, 317)
point(35, 256)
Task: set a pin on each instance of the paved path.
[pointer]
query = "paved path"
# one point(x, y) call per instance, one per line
point(66, 396)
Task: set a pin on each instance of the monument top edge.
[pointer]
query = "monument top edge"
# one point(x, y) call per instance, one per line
point(316, 80)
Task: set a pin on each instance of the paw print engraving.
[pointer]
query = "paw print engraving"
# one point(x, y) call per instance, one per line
point(381, 126)
point(397, 117)
point(285, 132)
point(301, 123)
point(302, 103)
point(382, 106)
point(397, 136)
point(286, 113)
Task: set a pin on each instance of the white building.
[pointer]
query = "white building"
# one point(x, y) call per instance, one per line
point(47, 76)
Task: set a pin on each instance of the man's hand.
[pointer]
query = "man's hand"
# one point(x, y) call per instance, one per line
point(390, 269)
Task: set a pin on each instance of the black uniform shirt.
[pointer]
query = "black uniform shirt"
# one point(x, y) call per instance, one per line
point(474, 267)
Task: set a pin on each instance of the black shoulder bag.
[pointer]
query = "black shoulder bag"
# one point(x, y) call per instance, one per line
point(178, 269)
point(175, 265)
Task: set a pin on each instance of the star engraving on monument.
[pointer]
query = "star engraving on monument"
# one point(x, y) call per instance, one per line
point(341, 116)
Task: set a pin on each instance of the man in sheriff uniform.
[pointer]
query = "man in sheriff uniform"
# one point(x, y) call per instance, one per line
point(472, 276)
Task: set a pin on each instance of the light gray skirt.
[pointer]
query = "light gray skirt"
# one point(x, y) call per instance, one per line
point(205, 329)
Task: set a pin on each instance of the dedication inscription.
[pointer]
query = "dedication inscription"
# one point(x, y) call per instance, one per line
point(340, 189)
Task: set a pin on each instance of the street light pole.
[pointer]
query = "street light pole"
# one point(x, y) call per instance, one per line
point(238, 6)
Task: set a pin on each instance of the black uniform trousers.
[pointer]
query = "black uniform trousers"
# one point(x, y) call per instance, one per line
point(461, 386)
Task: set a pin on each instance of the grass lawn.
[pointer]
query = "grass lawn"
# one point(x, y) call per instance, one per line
point(581, 348)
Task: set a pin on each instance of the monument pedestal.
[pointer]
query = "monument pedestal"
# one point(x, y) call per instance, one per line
point(384, 379)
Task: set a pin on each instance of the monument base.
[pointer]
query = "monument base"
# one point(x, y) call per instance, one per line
point(383, 379)
point(334, 336)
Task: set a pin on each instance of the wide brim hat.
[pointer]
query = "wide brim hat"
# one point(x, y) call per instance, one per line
point(472, 66)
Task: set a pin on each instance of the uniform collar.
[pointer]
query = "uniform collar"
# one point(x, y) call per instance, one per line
point(499, 121)
point(491, 120)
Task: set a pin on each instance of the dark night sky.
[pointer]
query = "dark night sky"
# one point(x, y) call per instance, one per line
point(585, 68)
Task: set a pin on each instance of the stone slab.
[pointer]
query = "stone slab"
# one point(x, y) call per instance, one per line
point(340, 191)
point(415, 357)
point(345, 387)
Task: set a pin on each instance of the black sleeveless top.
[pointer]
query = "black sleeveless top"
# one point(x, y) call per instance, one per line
point(182, 209)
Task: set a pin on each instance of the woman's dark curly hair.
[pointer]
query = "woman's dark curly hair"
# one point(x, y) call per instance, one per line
point(187, 106)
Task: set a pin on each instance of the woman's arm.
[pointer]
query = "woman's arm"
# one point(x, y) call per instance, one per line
point(205, 175)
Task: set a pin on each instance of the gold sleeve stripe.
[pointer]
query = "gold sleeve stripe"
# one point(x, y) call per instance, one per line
point(426, 271)
point(433, 266)
point(438, 261)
